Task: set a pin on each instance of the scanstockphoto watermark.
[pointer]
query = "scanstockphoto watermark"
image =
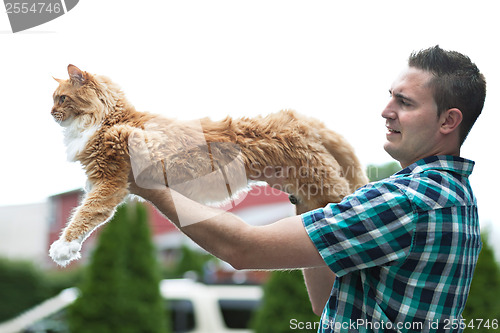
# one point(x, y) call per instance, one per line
point(355, 325)
point(28, 14)
point(446, 324)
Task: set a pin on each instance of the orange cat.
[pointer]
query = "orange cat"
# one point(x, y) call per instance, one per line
point(208, 161)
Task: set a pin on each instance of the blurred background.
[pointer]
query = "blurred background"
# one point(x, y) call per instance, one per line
point(334, 61)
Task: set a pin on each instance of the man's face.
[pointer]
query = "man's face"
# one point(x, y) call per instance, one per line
point(411, 118)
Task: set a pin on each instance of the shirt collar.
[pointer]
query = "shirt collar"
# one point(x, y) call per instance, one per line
point(443, 162)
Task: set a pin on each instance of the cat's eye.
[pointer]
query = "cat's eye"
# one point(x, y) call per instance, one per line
point(62, 99)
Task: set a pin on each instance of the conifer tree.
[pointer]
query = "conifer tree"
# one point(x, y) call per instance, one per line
point(120, 292)
point(146, 306)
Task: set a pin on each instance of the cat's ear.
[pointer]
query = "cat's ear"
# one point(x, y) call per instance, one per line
point(58, 80)
point(75, 74)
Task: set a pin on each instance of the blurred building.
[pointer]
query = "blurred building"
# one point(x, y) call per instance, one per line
point(27, 231)
point(23, 232)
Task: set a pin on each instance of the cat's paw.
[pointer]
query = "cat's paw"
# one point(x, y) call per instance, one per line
point(62, 252)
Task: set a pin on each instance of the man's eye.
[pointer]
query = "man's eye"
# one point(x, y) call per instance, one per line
point(62, 99)
point(405, 103)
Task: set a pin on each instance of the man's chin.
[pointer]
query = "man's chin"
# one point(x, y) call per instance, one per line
point(391, 150)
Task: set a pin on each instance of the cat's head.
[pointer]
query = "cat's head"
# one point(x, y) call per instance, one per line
point(83, 99)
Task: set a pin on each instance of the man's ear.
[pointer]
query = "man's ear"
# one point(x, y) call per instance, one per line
point(450, 120)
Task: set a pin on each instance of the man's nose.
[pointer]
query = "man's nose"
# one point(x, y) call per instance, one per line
point(389, 112)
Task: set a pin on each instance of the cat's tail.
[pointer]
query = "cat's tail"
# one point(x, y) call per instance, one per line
point(343, 152)
point(339, 148)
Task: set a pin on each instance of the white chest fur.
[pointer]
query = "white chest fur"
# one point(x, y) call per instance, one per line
point(76, 139)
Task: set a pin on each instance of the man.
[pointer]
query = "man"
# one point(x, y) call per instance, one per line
point(398, 254)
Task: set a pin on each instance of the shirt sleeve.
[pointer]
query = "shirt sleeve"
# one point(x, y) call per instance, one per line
point(372, 227)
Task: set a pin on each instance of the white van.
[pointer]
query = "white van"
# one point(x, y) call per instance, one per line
point(199, 308)
point(194, 308)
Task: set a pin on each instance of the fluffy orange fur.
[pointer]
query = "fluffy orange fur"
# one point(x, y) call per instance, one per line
point(208, 161)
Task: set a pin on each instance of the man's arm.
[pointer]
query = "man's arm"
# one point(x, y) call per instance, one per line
point(319, 282)
point(281, 245)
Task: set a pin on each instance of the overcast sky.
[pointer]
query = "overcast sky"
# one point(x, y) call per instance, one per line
point(333, 60)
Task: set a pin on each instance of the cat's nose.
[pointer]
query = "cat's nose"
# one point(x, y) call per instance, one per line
point(54, 113)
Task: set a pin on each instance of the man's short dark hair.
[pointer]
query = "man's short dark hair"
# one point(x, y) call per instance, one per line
point(457, 83)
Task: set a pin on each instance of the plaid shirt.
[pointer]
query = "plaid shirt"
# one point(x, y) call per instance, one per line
point(403, 249)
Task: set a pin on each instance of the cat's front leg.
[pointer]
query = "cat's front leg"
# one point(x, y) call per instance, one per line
point(97, 208)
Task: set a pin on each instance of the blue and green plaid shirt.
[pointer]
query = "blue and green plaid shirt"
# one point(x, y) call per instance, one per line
point(403, 249)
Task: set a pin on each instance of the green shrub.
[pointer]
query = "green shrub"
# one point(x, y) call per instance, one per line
point(22, 286)
point(285, 300)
